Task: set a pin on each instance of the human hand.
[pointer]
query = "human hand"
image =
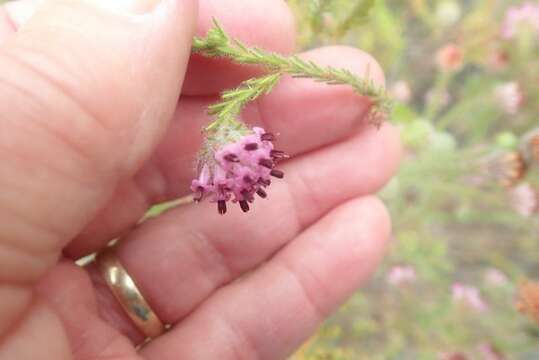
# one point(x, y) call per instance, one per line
point(93, 130)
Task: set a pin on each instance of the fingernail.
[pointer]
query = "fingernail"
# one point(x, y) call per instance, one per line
point(20, 11)
point(136, 7)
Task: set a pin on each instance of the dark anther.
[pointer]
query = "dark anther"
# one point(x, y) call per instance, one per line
point(266, 163)
point(279, 154)
point(244, 205)
point(221, 207)
point(261, 193)
point(251, 146)
point(264, 182)
point(247, 196)
point(199, 194)
point(267, 137)
point(277, 173)
point(247, 179)
point(232, 158)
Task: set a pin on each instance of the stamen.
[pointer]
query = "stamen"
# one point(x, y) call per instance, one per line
point(244, 206)
point(199, 194)
point(267, 137)
point(221, 207)
point(267, 163)
point(279, 154)
point(262, 193)
point(247, 196)
point(232, 158)
point(247, 179)
point(251, 146)
point(277, 173)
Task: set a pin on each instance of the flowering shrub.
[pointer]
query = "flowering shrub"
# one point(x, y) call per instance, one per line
point(459, 280)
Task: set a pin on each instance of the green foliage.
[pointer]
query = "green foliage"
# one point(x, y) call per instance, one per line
point(452, 222)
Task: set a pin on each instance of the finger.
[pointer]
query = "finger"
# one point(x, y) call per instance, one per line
point(193, 251)
point(73, 125)
point(274, 310)
point(240, 18)
point(306, 114)
point(68, 290)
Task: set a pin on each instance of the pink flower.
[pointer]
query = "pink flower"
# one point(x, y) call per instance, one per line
point(495, 277)
point(510, 97)
point(524, 199)
point(488, 352)
point(236, 171)
point(449, 58)
point(498, 60)
point(452, 356)
point(401, 275)
point(519, 17)
point(469, 296)
point(401, 91)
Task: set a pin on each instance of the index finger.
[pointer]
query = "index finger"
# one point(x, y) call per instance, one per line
point(268, 24)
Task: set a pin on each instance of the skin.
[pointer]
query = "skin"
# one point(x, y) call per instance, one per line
point(100, 117)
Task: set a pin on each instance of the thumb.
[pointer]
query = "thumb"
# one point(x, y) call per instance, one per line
point(87, 88)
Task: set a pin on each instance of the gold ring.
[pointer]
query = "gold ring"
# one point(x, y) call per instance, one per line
point(128, 295)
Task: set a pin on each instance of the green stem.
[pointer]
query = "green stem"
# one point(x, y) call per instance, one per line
point(218, 44)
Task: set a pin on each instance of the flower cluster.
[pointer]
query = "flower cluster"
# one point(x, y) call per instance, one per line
point(517, 17)
point(528, 302)
point(510, 97)
point(469, 296)
point(237, 170)
point(449, 58)
point(401, 275)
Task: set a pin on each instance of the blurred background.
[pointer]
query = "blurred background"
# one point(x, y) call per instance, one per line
point(458, 282)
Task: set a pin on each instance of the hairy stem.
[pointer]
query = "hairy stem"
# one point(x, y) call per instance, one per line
point(218, 44)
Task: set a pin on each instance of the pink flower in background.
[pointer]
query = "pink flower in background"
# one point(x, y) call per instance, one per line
point(510, 97)
point(452, 356)
point(488, 352)
point(401, 275)
point(495, 277)
point(401, 91)
point(519, 17)
point(449, 58)
point(469, 296)
point(238, 170)
point(498, 60)
point(524, 199)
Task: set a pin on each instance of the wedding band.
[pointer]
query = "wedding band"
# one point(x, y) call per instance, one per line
point(127, 294)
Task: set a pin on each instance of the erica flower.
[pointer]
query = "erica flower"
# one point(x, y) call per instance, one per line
point(469, 296)
point(495, 277)
point(524, 199)
point(449, 58)
point(507, 169)
point(520, 17)
point(498, 60)
point(452, 356)
point(400, 275)
point(489, 352)
point(529, 147)
point(528, 302)
point(236, 164)
point(509, 96)
point(401, 91)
